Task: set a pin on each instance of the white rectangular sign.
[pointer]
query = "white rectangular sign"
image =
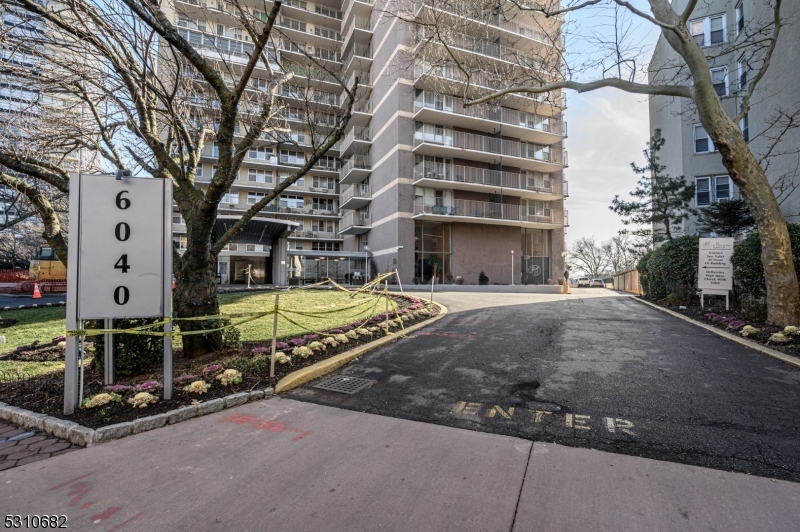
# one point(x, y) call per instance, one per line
point(715, 271)
point(121, 264)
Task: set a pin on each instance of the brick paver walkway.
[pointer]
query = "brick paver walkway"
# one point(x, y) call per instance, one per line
point(20, 446)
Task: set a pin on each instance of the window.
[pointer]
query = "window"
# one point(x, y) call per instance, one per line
point(254, 197)
point(709, 30)
point(177, 219)
point(293, 158)
point(199, 171)
point(712, 189)
point(327, 205)
point(322, 226)
point(230, 197)
point(325, 183)
point(260, 152)
point(233, 247)
point(291, 202)
point(742, 65)
point(739, 17)
point(259, 176)
point(702, 142)
point(328, 12)
point(215, 150)
point(745, 127)
point(325, 246)
point(255, 248)
point(301, 182)
point(719, 77)
point(295, 244)
point(179, 242)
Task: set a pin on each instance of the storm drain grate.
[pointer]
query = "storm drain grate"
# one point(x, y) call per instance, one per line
point(343, 384)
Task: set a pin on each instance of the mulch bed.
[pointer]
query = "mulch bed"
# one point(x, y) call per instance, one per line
point(36, 352)
point(732, 321)
point(44, 393)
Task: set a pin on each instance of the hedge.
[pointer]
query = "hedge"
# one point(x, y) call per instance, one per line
point(748, 270)
point(671, 268)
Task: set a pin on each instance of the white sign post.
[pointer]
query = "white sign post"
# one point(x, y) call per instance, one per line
point(120, 263)
point(715, 271)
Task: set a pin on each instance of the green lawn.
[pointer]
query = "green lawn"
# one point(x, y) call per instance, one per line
point(339, 308)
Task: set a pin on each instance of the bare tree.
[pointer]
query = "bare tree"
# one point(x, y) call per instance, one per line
point(544, 76)
point(589, 256)
point(148, 90)
point(621, 252)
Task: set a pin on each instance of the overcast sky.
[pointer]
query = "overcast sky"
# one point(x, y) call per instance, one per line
point(607, 130)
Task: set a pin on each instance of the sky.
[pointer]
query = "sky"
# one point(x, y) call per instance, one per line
point(607, 130)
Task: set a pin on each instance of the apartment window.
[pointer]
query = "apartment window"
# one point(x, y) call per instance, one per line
point(719, 77)
point(328, 12)
point(327, 33)
point(254, 197)
point(709, 30)
point(301, 182)
point(293, 24)
point(325, 246)
point(255, 248)
point(213, 171)
point(702, 142)
point(327, 162)
point(230, 197)
point(177, 219)
point(322, 226)
point(322, 204)
point(259, 176)
point(260, 152)
point(298, 137)
point(215, 150)
point(745, 127)
point(326, 183)
point(199, 171)
point(712, 189)
point(739, 17)
point(296, 244)
point(179, 242)
point(233, 247)
point(742, 65)
point(293, 158)
point(291, 202)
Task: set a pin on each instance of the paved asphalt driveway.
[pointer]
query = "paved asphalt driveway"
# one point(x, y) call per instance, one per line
point(597, 370)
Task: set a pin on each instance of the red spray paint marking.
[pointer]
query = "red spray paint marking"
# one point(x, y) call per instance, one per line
point(69, 482)
point(268, 424)
point(105, 515)
point(125, 522)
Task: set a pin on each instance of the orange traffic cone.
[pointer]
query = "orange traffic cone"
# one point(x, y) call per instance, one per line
point(36, 293)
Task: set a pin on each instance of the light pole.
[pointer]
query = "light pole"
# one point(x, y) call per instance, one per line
point(366, 263)
point(512, 267)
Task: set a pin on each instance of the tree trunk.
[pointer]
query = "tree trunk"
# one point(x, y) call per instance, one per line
point(194, 296)
point(783, 293)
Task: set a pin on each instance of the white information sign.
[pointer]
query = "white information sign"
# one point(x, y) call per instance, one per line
point(121, 263)
point(715, 271)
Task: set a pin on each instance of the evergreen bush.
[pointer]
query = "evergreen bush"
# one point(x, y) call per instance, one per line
point(672, 268)
point(748, 270)
point(482, 278)
point(134, 354)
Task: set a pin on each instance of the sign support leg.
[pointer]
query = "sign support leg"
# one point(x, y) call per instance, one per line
point(108, 341)
point(168, 362)
point(274, 337)
point(71, 374)
point(81, 361)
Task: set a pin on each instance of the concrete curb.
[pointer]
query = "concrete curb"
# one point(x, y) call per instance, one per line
point(314, 371)
point(86, 437)
point(792, 361)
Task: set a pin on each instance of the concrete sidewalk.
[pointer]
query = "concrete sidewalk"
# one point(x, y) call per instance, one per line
point(287, 465)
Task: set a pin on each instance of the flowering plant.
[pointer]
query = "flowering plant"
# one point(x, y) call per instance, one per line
point(197, 387)
point(100, 399)
point(147, 386)
point(302, 351)
point(352, 335)
point(749, 330)
point(316, 346)
point(311, 337)
point(282, 358)
point(142, 399)
point(117, 388)
point(259, 350)
point(281, 346)
point(230, 376)
point(211, 369)
point(183, 379)
point(789, 330)
point(735, 324)
point(342, 339)
point(297, 342)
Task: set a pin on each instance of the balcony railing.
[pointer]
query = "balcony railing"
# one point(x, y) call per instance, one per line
point(512, 117)
point(356, 134)
point(355, 218)
point(479, 80)
point(319, 235)
point(358, 22)
point(488, 211)
point(325, 190)
point(482, 143)
point(359, 50)
point(301, 210)
point(360, 190)
point(481, 176)
point(356, 162)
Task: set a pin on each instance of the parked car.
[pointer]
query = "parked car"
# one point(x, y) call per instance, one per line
point(583, 281)
point(597, 283)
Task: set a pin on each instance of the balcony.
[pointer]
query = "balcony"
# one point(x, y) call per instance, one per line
point(470, 211)
point(362, 113)
point(438, 108)
point(359, 28)
point(355, 223)
point(355, 169)
point(357, 140)
point(305, 211)
point(448, 143)
point(315, 235)
point(434, 77)
point(359, 58)
point(355, 196)
point(456, 177)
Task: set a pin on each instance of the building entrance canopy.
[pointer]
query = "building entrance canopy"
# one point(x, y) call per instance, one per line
point(264, 231)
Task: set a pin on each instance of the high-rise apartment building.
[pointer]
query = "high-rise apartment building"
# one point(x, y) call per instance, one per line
point(419, 180)
point(731, 33)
